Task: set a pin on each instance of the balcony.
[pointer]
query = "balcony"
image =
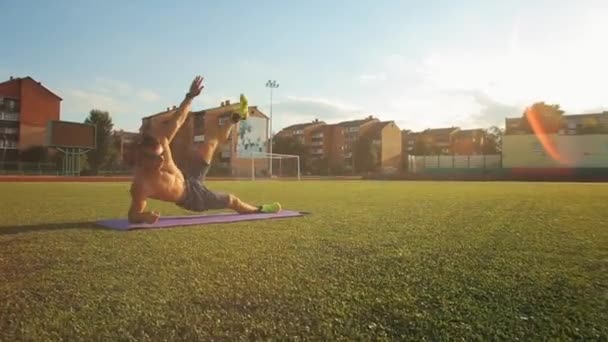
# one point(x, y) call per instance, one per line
point(8, 144)
point(9, 130)
point(9, 116)
point(316, 143)
point(317, 136)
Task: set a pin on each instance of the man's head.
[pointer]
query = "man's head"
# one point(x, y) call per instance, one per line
point(149, 153)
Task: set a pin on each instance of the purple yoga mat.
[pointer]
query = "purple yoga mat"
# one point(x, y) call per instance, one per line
point(174, 221)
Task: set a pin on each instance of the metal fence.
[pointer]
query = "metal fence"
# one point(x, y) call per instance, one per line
point(418, 164)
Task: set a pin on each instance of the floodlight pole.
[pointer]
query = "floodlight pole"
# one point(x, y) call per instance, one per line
point(272, 84)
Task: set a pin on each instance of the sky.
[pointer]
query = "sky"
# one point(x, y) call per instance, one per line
point(422, 64)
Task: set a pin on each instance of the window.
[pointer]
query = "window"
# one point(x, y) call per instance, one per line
point(222, 120)
point(199, 123)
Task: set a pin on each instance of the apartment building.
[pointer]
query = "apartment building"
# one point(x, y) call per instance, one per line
point(226, 158)
point(342, 139)
point(26, 106)
point(573, 124)
point(123, 141)
point(302, 132)
point(409, 139)
point(579, 143)
point(468, 142)
point(332, 146)
point(386, 138)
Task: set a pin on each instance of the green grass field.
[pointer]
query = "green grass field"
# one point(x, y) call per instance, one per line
point(375, 260)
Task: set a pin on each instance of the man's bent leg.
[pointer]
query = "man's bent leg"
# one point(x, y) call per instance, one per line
point(241, 207)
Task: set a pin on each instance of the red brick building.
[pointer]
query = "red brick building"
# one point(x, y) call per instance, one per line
point(192, 133)
point(25, 108)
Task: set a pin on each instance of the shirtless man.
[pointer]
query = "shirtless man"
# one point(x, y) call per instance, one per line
point(158, 177)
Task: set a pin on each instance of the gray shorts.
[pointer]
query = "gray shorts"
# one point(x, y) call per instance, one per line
point(198, 196)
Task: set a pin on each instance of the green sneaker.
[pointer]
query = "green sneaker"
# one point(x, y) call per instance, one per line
point(243, 112)
point(271, 208)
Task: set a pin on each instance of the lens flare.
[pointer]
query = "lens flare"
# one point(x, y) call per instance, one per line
point(540, 131)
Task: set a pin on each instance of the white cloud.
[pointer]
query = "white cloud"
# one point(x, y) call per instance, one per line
point(372, 78)
point(297, 109)
point(541, 61)
point(82, 101)
point(126, 103)
point(113, 86)
point(337, 105)
point(148, 95)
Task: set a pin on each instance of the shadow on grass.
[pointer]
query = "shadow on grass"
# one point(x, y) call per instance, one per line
point(12, 229)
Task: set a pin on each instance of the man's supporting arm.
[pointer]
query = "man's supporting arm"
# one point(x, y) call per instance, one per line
point(138, 205)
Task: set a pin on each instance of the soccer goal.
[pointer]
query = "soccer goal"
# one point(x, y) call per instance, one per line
point(261, 165)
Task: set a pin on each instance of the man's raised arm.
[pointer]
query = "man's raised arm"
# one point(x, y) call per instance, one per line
point(179, 117)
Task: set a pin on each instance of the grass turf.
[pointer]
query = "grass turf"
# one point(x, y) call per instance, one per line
point(375, 260)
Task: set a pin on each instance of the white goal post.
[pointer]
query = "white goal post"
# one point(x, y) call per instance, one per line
point(271, 158)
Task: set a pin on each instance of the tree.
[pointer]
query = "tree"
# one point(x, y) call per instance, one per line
point(319, 166)
point(104, 153)
point(365, 155)
point(422, 146)
point(542, 118)
point(292, 146)
point(34, 154)
point(492, 140)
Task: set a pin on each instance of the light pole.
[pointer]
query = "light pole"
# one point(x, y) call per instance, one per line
point(272, 85)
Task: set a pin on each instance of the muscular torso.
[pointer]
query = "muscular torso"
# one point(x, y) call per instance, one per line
point(165, 184)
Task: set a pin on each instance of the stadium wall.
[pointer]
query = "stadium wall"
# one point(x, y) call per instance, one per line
point(575, 151)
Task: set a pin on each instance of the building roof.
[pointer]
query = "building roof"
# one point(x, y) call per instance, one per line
point(410, 133)
point(469, 132)
point(125, 133)
point(19, 79)
point(440, 131)
point(303, 125)
point(566, 116)
point(586, 115)
point(356, 122)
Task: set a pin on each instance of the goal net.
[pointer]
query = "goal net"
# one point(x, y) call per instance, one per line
point(261, 165)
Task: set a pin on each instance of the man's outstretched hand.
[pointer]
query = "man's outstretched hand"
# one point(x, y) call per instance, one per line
point(196, 87)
